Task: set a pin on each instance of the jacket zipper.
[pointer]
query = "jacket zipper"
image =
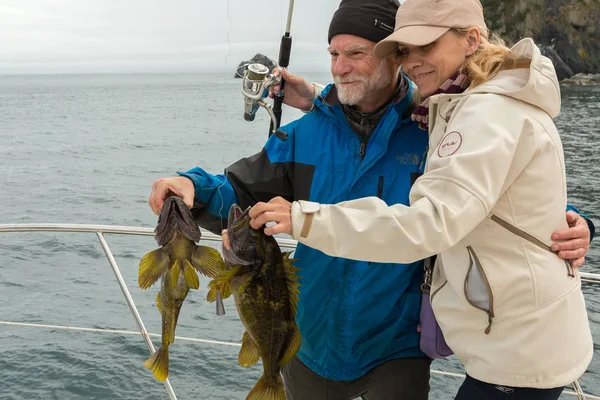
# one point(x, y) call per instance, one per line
point(437, 291)
point(361, 153)
point(531, 239)
point(380, 187)
point(490, 313)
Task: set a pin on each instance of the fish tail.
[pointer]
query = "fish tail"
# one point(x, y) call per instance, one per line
point(158, 363)
point(268, 389)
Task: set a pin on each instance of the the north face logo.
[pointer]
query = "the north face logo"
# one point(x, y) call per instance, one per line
point(408, 158)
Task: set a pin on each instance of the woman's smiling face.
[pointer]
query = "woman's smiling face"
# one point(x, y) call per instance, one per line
point(431, 65)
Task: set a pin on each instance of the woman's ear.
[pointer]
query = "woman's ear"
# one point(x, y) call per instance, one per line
point(473, 40)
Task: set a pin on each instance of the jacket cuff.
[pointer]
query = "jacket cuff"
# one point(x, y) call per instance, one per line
point(592, 228)
point(318, 88)
point(303, 213)
point(199, 203)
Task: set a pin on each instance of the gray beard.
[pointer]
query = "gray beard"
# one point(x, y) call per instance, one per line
point(365, 123)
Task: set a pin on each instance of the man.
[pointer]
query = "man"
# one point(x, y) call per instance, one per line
point(358, 320)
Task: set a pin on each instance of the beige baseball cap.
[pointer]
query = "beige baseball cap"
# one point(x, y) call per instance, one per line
point(420, 22)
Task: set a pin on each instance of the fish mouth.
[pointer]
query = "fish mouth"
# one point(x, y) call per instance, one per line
point(235, 254)
point(235, 214)
point(175, 216)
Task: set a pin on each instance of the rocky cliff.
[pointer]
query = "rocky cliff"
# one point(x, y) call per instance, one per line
point(567, 31)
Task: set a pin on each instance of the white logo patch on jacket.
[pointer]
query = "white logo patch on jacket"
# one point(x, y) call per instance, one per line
point(449, 144)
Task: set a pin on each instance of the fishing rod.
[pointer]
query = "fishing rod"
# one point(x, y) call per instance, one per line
point(258, 79)
point(285, 48)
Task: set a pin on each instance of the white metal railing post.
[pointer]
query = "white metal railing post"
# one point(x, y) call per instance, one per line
point(131, 304)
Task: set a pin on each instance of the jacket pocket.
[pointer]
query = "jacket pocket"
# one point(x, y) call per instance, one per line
point(524, 235)
point(478, 291)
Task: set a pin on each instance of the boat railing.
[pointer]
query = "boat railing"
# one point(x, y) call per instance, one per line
point(101, 230)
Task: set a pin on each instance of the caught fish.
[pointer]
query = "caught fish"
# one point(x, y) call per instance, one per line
point(176, 262)
point(265, 285)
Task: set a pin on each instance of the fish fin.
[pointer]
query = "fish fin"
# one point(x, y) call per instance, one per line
point(158, 363)
point(220, 306)
point(211, 297)
point(175, 273)
point(191, 277)
point(295, 339)
point(158, 302)
point(208, 261)
point(267, 389)
point(221, 283)
point(249, 353)
point(223, 288)
point(291, 273)
point(152, 266)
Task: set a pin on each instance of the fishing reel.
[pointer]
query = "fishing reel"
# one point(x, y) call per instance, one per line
point(255, 87)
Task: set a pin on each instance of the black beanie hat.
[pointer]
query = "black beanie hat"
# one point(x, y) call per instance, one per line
point(370, 19)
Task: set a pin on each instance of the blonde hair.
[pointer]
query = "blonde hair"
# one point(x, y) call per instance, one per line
point(491, 57)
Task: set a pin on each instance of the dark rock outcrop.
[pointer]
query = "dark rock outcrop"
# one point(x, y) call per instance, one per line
point(568, 31)
point(562, 69)
point(258, 58)
point(582, 80)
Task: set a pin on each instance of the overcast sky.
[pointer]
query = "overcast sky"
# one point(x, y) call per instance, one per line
point(157, 35)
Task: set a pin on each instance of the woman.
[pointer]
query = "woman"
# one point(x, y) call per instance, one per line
point(510, 309)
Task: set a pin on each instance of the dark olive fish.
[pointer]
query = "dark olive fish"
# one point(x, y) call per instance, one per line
point(264, 284)
point(176, 262)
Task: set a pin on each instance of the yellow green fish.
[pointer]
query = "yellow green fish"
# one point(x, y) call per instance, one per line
point(265, 287)
point(176, 263)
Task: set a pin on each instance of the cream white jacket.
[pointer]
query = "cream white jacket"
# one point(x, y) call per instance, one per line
point(493, 192)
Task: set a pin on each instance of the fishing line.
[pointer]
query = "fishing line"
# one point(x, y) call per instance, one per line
point(222, 200)
point(281, 18)
point(230, 27)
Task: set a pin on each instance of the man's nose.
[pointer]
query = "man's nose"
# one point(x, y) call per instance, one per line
point(341, 66)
